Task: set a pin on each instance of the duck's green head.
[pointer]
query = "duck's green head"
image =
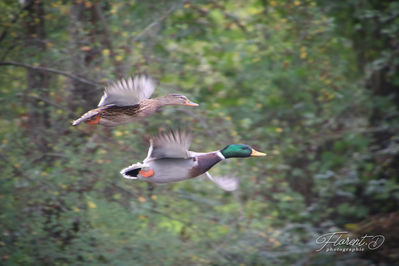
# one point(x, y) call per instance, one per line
point(240, 151)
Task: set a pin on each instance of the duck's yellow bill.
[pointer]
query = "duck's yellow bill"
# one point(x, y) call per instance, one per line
point(188, 103)
point(257, 153)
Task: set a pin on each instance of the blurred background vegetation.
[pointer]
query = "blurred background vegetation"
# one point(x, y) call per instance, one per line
point(312, 83)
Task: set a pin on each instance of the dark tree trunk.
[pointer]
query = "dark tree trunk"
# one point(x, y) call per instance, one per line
point(37, 81)
point(88, 26)
point(81, 58)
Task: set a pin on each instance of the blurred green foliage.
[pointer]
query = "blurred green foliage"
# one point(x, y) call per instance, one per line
point(312, 83)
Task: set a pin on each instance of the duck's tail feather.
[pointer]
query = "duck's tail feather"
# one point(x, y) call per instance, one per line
point(91, 117)
point(132, 171)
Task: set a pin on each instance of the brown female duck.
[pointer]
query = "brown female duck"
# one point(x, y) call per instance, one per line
point(128, 100)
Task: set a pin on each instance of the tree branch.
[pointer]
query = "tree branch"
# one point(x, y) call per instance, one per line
point(155, 22)
point(46, 101)
point(52, 70)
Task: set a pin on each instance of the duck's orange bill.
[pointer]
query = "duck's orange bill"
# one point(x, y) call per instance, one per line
point(94, 121)
point(147, 173)
point(188, 103)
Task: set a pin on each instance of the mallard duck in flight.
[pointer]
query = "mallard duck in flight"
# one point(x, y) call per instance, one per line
point(128, 100)
point(169, 160)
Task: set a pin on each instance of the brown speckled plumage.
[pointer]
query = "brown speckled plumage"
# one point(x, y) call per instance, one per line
point(118, 115)
point(126, 101)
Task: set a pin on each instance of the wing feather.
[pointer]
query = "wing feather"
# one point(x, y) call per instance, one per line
point(129, 91)
point(226, 183)
point(174, 144)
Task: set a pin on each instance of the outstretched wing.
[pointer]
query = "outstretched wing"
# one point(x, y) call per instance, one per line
point(173, 144)
point(128, 91)
point(225, 183)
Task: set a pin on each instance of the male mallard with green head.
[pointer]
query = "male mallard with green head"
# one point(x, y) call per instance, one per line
point(128, 100)
point(169, 160)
